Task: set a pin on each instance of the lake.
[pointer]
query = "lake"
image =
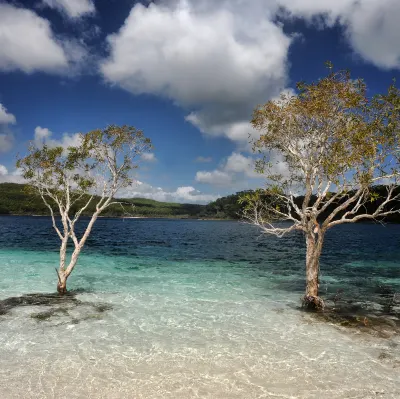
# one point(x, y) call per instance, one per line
point(193, 309)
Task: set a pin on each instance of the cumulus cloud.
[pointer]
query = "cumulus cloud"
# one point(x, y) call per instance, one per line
point(6, 117)
point(6, 135)
point(240, 132)
point(220, 59)
point(185, 194)
point(27, 43)
point(148, 157)
point(7, 177)
point(44, 136)
point(371, 26)
point(217, 60)
point(3, 170)
point(373, 32)
point(215, 178)
point(238, 163)
point(41, 134)
point(72, 8)
point(235, 171)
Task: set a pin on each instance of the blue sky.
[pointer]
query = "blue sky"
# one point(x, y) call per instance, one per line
point(188, 73)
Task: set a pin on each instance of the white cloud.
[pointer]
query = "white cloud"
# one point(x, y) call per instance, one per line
point(6, 117)
point(240, 132)
point(218, 59)
point(148, 157)
point(27, 43)
point(3, 170)
point(238, 163)
point(215, 178)
point(6, 135)
point(73, 8)
point(310, 8)
point(236, 170)
point(371, 26)
point(181, 194)
point(7, 177)
point(373, 32)
point(43, 136)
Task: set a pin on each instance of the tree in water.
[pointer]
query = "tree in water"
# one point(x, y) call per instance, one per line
point(81, 179)
point(333, 145)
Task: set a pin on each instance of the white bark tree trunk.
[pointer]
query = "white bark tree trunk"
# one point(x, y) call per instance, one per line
point(314, 244)
point(64, 272)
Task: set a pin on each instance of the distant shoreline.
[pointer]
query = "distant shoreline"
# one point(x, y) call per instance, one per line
point(128, 217)
point(178, 218)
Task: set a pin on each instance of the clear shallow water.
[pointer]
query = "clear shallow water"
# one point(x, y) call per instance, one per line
point(199, 309)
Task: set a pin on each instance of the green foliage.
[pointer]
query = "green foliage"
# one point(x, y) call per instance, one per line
point(224, 208)
point(332, 127)
point(99, 164)
point(267, 203)
point(50, 166)
point(330, 136)
point(126, 142)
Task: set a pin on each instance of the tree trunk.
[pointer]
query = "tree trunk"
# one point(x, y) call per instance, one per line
point(62, 278)
point(314, 247)
point(62, 282)
point(64, 272)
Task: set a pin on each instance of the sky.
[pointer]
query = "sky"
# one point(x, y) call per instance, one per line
point(188, 73)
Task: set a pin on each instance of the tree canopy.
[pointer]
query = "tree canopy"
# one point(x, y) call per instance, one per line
point(331, 143)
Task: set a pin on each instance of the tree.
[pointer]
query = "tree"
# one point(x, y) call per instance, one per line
point(68, 180)
point(334, 146)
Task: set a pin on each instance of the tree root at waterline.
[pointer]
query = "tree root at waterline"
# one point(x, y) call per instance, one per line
point(61, 285)
point(310, 302)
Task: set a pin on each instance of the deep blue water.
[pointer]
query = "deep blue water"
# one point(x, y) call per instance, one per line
point(362, 259)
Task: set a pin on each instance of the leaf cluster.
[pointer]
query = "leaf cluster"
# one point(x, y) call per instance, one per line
point(101, 163)
point(330, 127)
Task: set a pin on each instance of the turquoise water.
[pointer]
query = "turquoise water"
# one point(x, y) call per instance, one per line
point(194, 309)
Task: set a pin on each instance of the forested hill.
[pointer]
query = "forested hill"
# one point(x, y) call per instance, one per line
point(15, 201)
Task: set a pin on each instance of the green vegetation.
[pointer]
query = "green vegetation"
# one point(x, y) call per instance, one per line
point(224, 208)
point(15, 200)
